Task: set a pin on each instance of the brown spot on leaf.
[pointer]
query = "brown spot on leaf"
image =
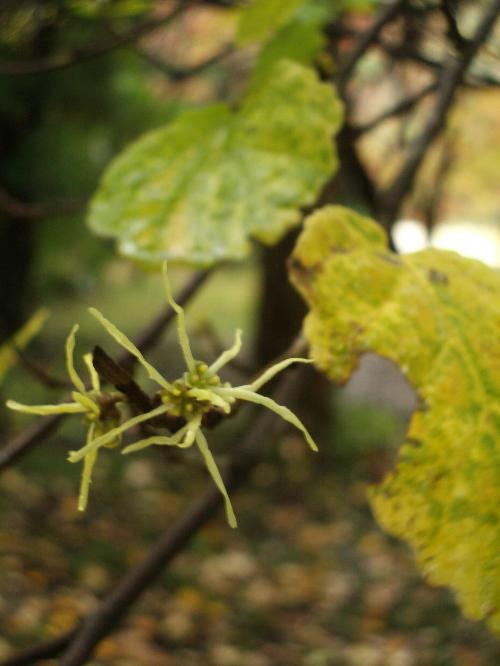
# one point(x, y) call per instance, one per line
point(303, 272)
point(437, 277)
point(413, 441)
point(389, 258)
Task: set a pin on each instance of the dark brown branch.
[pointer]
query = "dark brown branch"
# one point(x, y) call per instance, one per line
point(26, 440)
point(182, 73)
point(482, 81)
point(140, 402)
point(45, 650)
point(404, 52)
point(115, 374)
point(40, 373)
point(451, 78)
point(63, 60)
point(398, 109)
point(430, 202)
point(346, 138)
point(22, 443)
point(352, 164)
point(449, 8)
point(34, 211)
point(366, 39)
point(338, 30)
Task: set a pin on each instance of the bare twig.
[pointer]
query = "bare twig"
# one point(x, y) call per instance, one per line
point(22, 443)
point(337, 30)
point(151, 334)
point(346, 138)
point(115, 374)
point(452, 76)
point(182, 73)
point(40, 373)
point(385, 16)
point(45, 650)
point(432, 198)
point(26, 440)
point(63, 60)
point(449, 8)
point(33, 211)
point(398, 109)
point(406, 52)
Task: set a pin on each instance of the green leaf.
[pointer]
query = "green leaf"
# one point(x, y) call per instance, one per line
point(260, 19)
point(198, 189)
point(437, 315)
point(299, 40)
point(20, 340)
point(104, 8)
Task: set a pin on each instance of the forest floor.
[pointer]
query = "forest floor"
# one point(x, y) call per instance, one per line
point(307, 579)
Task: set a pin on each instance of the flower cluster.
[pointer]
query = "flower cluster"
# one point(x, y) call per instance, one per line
point(99, 409)
point(199, 390)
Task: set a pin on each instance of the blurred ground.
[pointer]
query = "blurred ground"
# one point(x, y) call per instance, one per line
point(307, 579)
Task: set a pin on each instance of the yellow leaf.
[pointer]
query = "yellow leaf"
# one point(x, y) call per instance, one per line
point(437, 315)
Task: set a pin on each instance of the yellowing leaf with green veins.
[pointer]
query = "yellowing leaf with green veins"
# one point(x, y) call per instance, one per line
point(198, 189)
point(20, 339)
point(437, 315)
point(261, 18)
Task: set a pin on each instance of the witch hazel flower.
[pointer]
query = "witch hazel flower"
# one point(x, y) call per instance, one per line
point(198, 391)
point(98, 408)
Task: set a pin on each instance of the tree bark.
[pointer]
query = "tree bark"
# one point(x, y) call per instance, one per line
point(17, 233)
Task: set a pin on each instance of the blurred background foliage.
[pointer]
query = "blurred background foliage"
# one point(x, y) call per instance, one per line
point(308, 578)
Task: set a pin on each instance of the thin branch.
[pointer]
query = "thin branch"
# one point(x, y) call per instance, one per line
point(346, 138)
point(40, 373)
point(451, 78)
point(354, 165)
point(448, 8)
point(20, 445)
point(338, 30)
point(111, 372)
point(182, 73)
point(33, 211)
point(64, 60)
point(46, 650)
point(148, 338)
point(482, 81)
point(405, 52)
point(367, 38)
point(398, 109)
point(430, 202)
